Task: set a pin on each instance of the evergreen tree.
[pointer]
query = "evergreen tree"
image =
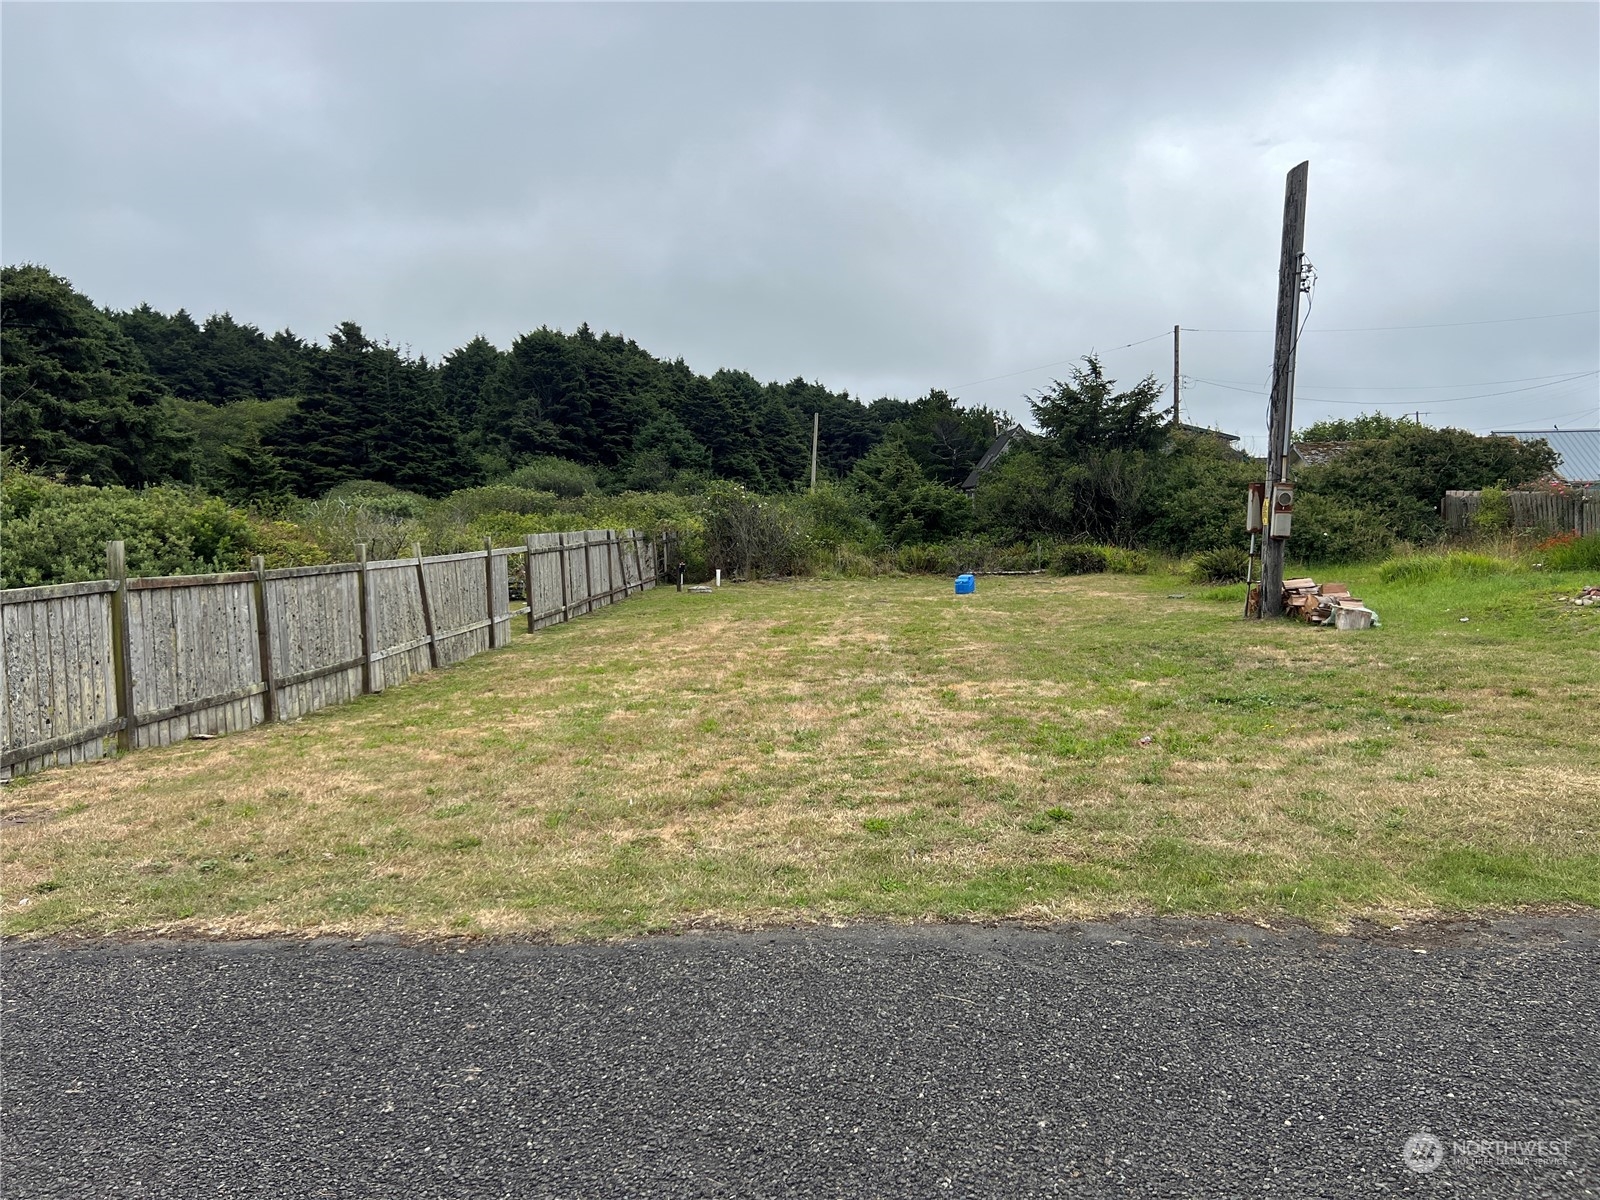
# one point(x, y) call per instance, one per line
point(76, 396)
point(1089, 414)
point(370, 413)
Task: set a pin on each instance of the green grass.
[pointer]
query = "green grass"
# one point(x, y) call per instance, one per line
point(822, 751)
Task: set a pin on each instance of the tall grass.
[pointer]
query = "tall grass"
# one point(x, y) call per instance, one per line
point(1434, 568)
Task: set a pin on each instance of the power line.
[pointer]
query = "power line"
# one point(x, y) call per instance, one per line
point(1416, 387)
point(1058, 363)
point(1392, 403)
point(1443, 325)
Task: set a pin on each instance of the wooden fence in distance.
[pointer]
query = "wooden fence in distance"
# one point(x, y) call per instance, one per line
point(1576, 511)
point(128, 663)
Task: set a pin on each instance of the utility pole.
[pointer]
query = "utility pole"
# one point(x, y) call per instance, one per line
point(1282, 421)
point(1175, 377)
point(816, 427)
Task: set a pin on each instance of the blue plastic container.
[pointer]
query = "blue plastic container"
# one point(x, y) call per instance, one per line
point(965, 585)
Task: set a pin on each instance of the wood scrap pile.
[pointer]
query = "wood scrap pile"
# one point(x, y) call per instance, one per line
point(1327, 604)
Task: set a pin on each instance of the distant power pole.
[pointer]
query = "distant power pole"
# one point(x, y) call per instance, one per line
point(1175, 376)
point(1282, 421)
point(816, 427)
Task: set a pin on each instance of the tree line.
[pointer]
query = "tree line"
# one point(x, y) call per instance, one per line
point(142, 397)
point(139, 398)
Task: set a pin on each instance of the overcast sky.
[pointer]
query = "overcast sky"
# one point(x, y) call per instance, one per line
point(883, 198)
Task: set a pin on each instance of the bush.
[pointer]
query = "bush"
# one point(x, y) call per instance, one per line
point(1328, 529)
point(1126, 562)
point(1573, 554)
point(1428, 568)
point(1077, 559)
point(1494, 511)
point(926, 559)
point(550, 474)
point(57, 532)
point(380, 498)
point(1226, 565)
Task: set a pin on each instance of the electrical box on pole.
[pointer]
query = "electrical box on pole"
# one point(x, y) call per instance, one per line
point(1252, 508)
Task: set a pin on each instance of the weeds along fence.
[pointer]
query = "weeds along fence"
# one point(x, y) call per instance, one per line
point(126, 662)
point(1574, 511)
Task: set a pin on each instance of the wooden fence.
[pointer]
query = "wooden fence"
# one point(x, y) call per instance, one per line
point(1577, 511)
point(127, 663)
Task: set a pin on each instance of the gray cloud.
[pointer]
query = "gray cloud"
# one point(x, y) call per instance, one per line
point(885, 198)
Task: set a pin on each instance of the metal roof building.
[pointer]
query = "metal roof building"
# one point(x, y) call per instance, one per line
point(1579, 450)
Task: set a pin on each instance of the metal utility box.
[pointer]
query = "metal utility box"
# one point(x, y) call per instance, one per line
point(1282, 516)
point(1252, 508)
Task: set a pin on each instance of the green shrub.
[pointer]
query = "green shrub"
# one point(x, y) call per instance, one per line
point(1494, 510)
point(1581, 554)
point(380, 498)
point(925, 559)
point(1078, 559)
point(1225, 565)
point(57, 533)
point(1329, 529)
point(549, 474)
point(1126, 562)
point(1428, 568)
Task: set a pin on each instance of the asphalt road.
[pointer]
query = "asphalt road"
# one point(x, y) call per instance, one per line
point(1142, 1059)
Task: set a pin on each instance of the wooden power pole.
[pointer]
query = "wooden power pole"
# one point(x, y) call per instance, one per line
point(1282, 419)
point(816, 427)
point(1175, 377)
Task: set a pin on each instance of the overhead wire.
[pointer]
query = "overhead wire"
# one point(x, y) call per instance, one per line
point(1059, 362)
point(1557, 382)
point(1586, 312)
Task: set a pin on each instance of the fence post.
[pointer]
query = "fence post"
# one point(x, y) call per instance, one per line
point(258, 565)
point(588, 573)
point(561, 561)
point(427, 607)
point(622, 567)
point(121, 655)
point(527, 576)
point(370, 682)
point(488, 585)
point(638, 559)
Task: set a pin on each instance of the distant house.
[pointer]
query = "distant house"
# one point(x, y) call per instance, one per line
point(1230, 440)
point(1014, 436)
point(1317, 454)
point(1018, 436)
point(1579, 450)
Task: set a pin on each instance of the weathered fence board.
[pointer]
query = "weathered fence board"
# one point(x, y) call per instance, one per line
point(194, 656)
point(59, 695)
point(315, 639)
point(195, 659)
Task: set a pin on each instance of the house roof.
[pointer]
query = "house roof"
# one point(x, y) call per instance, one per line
point(1579, 450)
point(990, 456)
point(1317, 454)
point(1201, 429)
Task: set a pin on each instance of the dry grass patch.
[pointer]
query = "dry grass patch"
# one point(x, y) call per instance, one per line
point(823, 752)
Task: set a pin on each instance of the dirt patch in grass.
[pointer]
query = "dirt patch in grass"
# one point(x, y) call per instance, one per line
point(824, 752)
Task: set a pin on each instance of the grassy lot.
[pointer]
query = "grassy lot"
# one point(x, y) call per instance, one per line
point(824, 750)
